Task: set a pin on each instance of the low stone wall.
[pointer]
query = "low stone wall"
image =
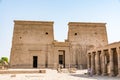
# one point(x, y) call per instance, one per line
point(21, 71)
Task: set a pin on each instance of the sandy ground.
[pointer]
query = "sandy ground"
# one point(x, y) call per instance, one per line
point(53, 75)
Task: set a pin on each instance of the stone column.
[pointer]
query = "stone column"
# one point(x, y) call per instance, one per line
point(89, 60)
point(98, 62)
point(111, 63)
point(93, 62)
point(104, 73)
point(118, 52)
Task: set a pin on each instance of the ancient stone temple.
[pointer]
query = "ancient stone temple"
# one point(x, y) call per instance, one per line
point(33, 44)
point(105, 60)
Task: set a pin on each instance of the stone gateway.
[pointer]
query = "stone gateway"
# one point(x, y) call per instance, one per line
point(33, 44)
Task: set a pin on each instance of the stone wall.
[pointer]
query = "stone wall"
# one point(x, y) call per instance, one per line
point(30, 38)
point(36, 39)
point(84, 36)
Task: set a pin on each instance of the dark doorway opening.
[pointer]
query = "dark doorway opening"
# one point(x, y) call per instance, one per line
point(62, 58)
point(35, 59)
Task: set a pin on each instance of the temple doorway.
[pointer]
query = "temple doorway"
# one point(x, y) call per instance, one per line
point(35, 60)
point(62, 58)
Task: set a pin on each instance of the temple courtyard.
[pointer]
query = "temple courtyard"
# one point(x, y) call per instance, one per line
point(51, 74)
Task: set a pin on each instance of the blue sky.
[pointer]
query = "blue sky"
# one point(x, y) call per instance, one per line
point(59, 11)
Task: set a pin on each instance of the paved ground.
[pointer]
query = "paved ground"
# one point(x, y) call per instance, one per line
point(53, 75)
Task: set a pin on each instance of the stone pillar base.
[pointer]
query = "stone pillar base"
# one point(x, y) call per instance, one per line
point(118, 75)
point(111, 75)
point(98, 74)
point(104, 74)
point(93, 72)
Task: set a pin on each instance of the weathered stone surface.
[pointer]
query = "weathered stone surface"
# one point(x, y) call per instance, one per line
point(109, 64)
point(85, 36)
point(33, 44)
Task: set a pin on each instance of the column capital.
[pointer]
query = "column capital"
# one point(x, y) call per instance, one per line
point(93, 53)
point(103, 52)
point(98, 53)
point(118, 50)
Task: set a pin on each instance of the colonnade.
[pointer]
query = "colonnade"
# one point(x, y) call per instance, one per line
point(104, 61)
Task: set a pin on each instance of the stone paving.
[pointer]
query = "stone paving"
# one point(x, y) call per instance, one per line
point(53, 75)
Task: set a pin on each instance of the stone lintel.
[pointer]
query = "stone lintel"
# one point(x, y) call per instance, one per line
point(61, 44)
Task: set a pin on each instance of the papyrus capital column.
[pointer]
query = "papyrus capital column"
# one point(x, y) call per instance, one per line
point(104, 72)
point(89, 60)
point(118, 52)
point(98, 62)
point(93, 62)
point(111, 62)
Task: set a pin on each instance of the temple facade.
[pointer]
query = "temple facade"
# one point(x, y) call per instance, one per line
point(33, 44)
